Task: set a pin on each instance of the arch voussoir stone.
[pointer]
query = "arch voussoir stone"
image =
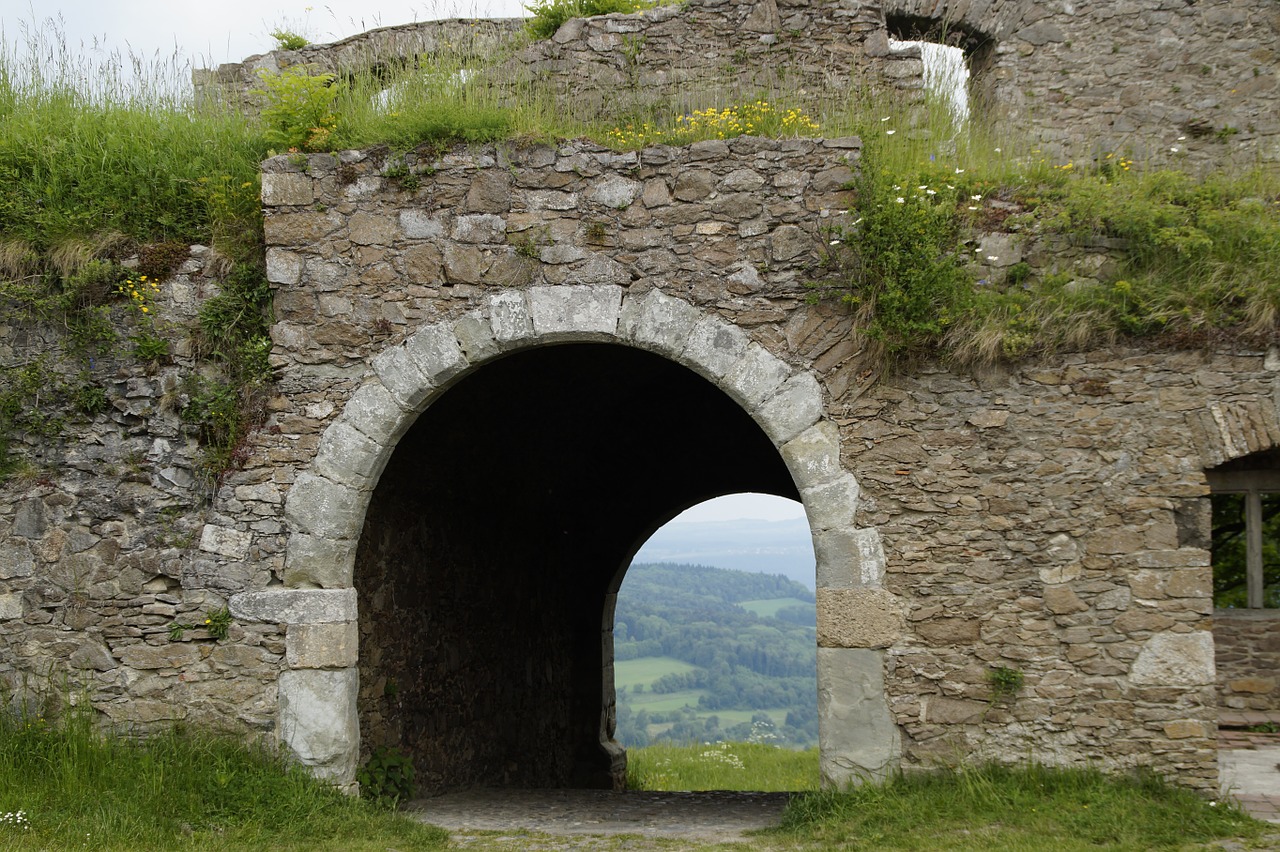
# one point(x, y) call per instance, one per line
point(657, 323)
point(575, 312)
point(793, 408)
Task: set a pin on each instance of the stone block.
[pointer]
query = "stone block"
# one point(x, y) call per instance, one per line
point(657, 322)
point(287, 189)
point(11, 606)
point(1062, 600)
point(490, 192)
point(949, 631)
point(374, 412)
point(225, 541)
point(420, 225)
point(316, 561)
point(789, 242)
point(175, 655)
point(615, 191)
point(323, 507)
point(295, 606)
point(16, 560)
point(860, 741)
point(435, 351)
point(1175, 659)
point(475, 336)
point(400, 374)
point(1181, 729)
point(479, 228)
point(756, 375)
point(859, 618)
point(509, 317)
point(372, 229)
point(92, 655)
point(318, 720)
point(1254, 685)
point(283, 267)
point(832, 505)
point(350, 457)
point(941, 710)
point(813, 456)
point(795, 407)
point(848, 558)
point(322, 646)
point(714, 347)
point(575, 312)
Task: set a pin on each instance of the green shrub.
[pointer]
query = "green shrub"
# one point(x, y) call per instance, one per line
point(548, 16)
point(387, 777)
point(288, 40)
point(297, 107)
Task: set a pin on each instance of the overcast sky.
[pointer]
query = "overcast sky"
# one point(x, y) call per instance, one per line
point(208, 32)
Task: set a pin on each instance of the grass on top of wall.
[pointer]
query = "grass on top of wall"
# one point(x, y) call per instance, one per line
point(65, 785)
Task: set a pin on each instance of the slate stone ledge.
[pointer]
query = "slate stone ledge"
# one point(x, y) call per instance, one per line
point(295, 606)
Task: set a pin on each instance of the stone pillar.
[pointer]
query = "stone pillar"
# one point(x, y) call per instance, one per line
point(317, 718)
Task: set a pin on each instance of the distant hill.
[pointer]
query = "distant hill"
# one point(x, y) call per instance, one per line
point(705, 654)
point(773, 547)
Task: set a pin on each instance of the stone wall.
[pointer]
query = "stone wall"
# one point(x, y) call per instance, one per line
point(1247, 650)
point(104, 540)
point(1049, 519)
point(1170, 83)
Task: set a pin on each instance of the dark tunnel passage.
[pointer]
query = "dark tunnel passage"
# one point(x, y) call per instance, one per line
point(496, 541)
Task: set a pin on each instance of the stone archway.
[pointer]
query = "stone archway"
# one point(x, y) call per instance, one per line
point(326, 509)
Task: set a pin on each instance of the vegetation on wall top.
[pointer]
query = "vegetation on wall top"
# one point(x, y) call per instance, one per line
point(96, 168)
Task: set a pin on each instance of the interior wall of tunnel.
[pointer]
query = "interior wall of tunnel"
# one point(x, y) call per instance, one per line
point(494, 544)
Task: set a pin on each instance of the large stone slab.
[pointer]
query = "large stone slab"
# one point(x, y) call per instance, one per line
point(658, 322)
point(334, 645)
point(575, 312)
point(859, 740)
point(323, 507)
point(859, 618)
point(317, 561)
point(795, 407)
point(318, 720)
point(1175, 659)
point(295, 606)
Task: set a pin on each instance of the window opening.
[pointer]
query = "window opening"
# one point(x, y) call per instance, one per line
point(1246, 536)
point(715, 629)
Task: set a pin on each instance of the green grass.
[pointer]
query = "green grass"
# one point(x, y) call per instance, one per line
point(768, 608)
point(664, 702)
point(177, 791)
point(722, 766)
point(646, 670)
point(995, 808)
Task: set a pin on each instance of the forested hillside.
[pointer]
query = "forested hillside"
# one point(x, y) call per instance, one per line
point(705, 654)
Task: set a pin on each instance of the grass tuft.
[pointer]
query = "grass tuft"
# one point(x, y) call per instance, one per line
point(1014, 808)
point(182, 790)
point(722, 766)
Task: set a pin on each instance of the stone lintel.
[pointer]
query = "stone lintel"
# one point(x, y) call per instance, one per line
point(295, 606)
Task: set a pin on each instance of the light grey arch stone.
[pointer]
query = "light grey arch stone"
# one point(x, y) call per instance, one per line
point(325, 508)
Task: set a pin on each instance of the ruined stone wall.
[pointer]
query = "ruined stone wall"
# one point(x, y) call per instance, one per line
point(1247, 651)
point(1053, 520)
point(1168, 82)
point(1049, 519)
point(106, 539)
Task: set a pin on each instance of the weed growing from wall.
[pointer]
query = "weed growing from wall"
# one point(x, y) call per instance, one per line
point(550, 15)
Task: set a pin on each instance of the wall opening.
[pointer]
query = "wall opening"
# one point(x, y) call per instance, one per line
point(715, 632)
point(494, 544)
point(956, 60)
point(1245, 546)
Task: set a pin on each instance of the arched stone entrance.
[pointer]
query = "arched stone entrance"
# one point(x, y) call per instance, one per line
point(547, 684)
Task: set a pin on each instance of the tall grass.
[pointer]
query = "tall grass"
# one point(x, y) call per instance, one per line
point(994, 808)
point(183, 790)
point(87, 149)
point(722, 766)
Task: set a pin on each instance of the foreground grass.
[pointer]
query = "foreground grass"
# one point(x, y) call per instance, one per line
point(1027, 808)
point(77, 789)
point(722, 766)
